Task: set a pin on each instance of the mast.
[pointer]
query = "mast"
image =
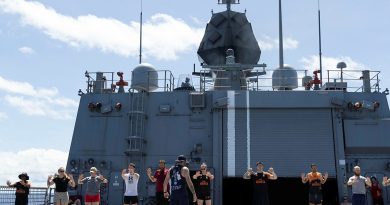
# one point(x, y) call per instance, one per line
point(140, 37)
point(229, 3)
point(319, 40)
point(281, 59)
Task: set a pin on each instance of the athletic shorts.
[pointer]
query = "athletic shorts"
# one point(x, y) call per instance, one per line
point(130, 199)
point(61, 197)
point(92, 198)
point(315, 196)
point(21, 200)
point(204, 197)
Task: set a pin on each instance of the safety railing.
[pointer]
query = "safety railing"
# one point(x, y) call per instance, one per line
point(109, 82)
point(37, 196)
point(208, 80)
point(353, 78)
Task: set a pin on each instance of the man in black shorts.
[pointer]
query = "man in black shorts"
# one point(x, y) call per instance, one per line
point(260, 183)
point(203, 179)
point(315, 180)
point(179, 176)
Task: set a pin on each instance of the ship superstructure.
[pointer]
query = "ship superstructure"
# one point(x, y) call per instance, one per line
point(229, 115)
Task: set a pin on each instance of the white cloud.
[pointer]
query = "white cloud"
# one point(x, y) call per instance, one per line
point(198, 21)
point(268, 43)
point(38, 163)
point(164, 36)
point(3, 116)
point(33, 101)
point(26, 50)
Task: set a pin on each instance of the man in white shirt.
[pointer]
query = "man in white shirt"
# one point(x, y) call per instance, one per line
point(131, 180)
point(358, 184)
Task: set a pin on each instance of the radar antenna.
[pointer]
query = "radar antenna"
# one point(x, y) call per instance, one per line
point(228, 3)
point(281, 58)
point(319, 39)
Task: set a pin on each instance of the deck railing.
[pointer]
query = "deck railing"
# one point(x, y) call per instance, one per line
point(37, 196)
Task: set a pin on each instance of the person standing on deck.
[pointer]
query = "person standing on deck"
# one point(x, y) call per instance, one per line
point(259, 180)
point(131, 181)
point(316, 180)
point(203, 190)
point(92, 194)
point(22, 189)
point(358, 184)
point(61, 180)
point(179, 176)
point(158, 178)
point(376, 192)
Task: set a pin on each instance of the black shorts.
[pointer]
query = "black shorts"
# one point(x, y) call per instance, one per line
point(130, 200)
point(204, 197)
point(21, 200)
point(315, 196)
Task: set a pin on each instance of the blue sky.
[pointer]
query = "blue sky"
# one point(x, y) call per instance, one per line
point(46, 46)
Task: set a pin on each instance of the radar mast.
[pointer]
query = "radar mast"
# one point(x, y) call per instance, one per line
point(228, 3)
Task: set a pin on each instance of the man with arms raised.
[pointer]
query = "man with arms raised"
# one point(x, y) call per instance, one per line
point(203, 180)
point(316, 180)
point(131, 180)
point(259, 180)
point(358, 184)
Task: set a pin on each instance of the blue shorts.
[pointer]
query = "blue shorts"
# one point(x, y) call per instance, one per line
point(358, 199)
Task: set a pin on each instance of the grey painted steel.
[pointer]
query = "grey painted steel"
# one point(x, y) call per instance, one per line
point(144, 78)
point(285, 78)
point(282, 139)
point(293, 121)
point(287, 130)
point(229, 29)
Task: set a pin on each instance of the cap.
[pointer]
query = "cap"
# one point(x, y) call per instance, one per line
point(257, 163)
point(93, 169)
point(181, 158)
point(132, 165)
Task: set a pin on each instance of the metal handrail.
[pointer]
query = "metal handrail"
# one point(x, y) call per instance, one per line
point(37, 195)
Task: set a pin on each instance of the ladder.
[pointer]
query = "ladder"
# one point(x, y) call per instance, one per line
point(137, 121)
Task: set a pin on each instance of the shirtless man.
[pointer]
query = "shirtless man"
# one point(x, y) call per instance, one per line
point(259, 180)
point(316, 180)
point(179, 176)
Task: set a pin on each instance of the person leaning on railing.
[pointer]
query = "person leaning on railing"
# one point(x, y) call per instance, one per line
point(22, 189)
point(61, 180)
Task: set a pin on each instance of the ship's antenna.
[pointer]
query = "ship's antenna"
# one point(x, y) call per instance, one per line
point(319, 39)
point(140, 36)
point(281, 63)
point(228, 3)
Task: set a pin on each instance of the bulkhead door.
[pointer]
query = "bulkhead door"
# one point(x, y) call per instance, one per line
point(289, 140)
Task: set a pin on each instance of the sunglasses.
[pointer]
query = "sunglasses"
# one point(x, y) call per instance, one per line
point(61, 171)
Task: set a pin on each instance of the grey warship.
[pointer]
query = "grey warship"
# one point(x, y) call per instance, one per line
point(227, 114)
